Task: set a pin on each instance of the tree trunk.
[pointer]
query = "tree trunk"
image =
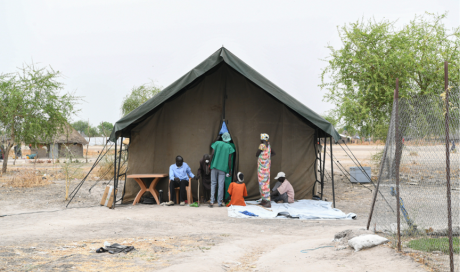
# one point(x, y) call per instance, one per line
point(5, 157)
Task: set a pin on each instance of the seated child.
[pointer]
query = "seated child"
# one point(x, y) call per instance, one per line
point(237, 191)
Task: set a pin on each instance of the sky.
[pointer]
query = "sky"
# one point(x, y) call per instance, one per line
point(105, 48)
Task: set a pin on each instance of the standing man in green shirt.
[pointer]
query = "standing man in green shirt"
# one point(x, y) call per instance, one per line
point(220, 165)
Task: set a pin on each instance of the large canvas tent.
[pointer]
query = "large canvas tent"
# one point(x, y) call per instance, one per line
point(185, 118)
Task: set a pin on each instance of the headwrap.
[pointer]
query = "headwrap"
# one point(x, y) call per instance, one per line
point(226, 137)
point(264, 136)
point(240, 177)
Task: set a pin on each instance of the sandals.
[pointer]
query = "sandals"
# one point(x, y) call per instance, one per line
point(101, 250)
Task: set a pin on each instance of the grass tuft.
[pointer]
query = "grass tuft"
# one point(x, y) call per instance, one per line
point(434, 244)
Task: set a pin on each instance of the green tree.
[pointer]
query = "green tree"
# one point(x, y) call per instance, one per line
point(138, 96)
point(331, 118)
point(360, 77)
point(105, 128)
point(82, 126)
point(32, 108)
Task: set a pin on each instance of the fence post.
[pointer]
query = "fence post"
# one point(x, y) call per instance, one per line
point(398, 158)
point(114, 173)
point(449, 208)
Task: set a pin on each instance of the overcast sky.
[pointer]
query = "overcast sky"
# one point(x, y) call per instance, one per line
point(104, 48)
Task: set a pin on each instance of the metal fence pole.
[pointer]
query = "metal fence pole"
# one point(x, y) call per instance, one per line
point(449, 208)
point(398, 158)
point(114, 174)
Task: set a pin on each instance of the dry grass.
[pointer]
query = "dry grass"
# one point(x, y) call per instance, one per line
point(150, 254)
point(27, 178)
point(91, 153)
point(105, 169)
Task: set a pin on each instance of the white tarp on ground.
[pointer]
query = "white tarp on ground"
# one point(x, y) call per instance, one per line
point(303, 209)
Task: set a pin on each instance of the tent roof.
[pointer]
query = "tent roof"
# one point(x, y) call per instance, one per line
point(222, 55)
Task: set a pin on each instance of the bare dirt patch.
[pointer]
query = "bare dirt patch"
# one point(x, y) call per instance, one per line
point(39, 233)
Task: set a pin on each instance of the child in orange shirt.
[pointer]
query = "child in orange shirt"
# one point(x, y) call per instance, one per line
point(237, 191)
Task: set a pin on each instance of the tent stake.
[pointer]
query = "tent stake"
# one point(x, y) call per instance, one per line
point(332, 175)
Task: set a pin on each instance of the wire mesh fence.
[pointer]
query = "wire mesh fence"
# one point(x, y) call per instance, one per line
point(416, 148)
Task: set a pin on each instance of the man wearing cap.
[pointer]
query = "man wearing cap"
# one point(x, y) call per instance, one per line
point(283, 190)
point(220, 165)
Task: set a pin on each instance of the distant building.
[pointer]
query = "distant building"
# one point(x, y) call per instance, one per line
point(69, 141)
point(346, 139)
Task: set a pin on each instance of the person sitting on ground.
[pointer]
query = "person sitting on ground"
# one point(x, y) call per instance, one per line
point(237, 191)
point(283, 190)
point(179, 174)
point(220, 165)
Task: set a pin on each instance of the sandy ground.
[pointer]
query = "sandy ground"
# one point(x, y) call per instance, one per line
point(39, 234)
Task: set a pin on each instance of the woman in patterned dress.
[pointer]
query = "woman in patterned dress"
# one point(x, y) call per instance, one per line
point(264, 154)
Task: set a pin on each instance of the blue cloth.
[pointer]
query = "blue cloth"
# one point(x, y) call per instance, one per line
point(223, 129)
point(180, 172)
point(249, 213)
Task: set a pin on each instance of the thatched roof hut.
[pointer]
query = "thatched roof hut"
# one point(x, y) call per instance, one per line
point(67, 141)
point(70, 136)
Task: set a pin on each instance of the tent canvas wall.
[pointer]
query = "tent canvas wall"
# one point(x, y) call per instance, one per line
point(185, 118)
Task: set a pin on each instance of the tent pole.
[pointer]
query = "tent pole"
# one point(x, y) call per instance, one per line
point(225, 95)
point(114, 174)
point(119, 161)
point(320, 167)
point(332, 175)
point(318, 140)
point(324, 169)
point(315, 141)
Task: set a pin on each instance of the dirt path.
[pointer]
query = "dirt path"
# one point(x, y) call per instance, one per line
point(177, 238)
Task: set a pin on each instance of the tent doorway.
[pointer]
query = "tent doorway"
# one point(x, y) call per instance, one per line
point(234, 165)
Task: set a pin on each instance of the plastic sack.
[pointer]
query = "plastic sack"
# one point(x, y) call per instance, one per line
point(366, 241)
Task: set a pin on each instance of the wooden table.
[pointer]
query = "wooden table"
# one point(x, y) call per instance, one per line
point(138, 178)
